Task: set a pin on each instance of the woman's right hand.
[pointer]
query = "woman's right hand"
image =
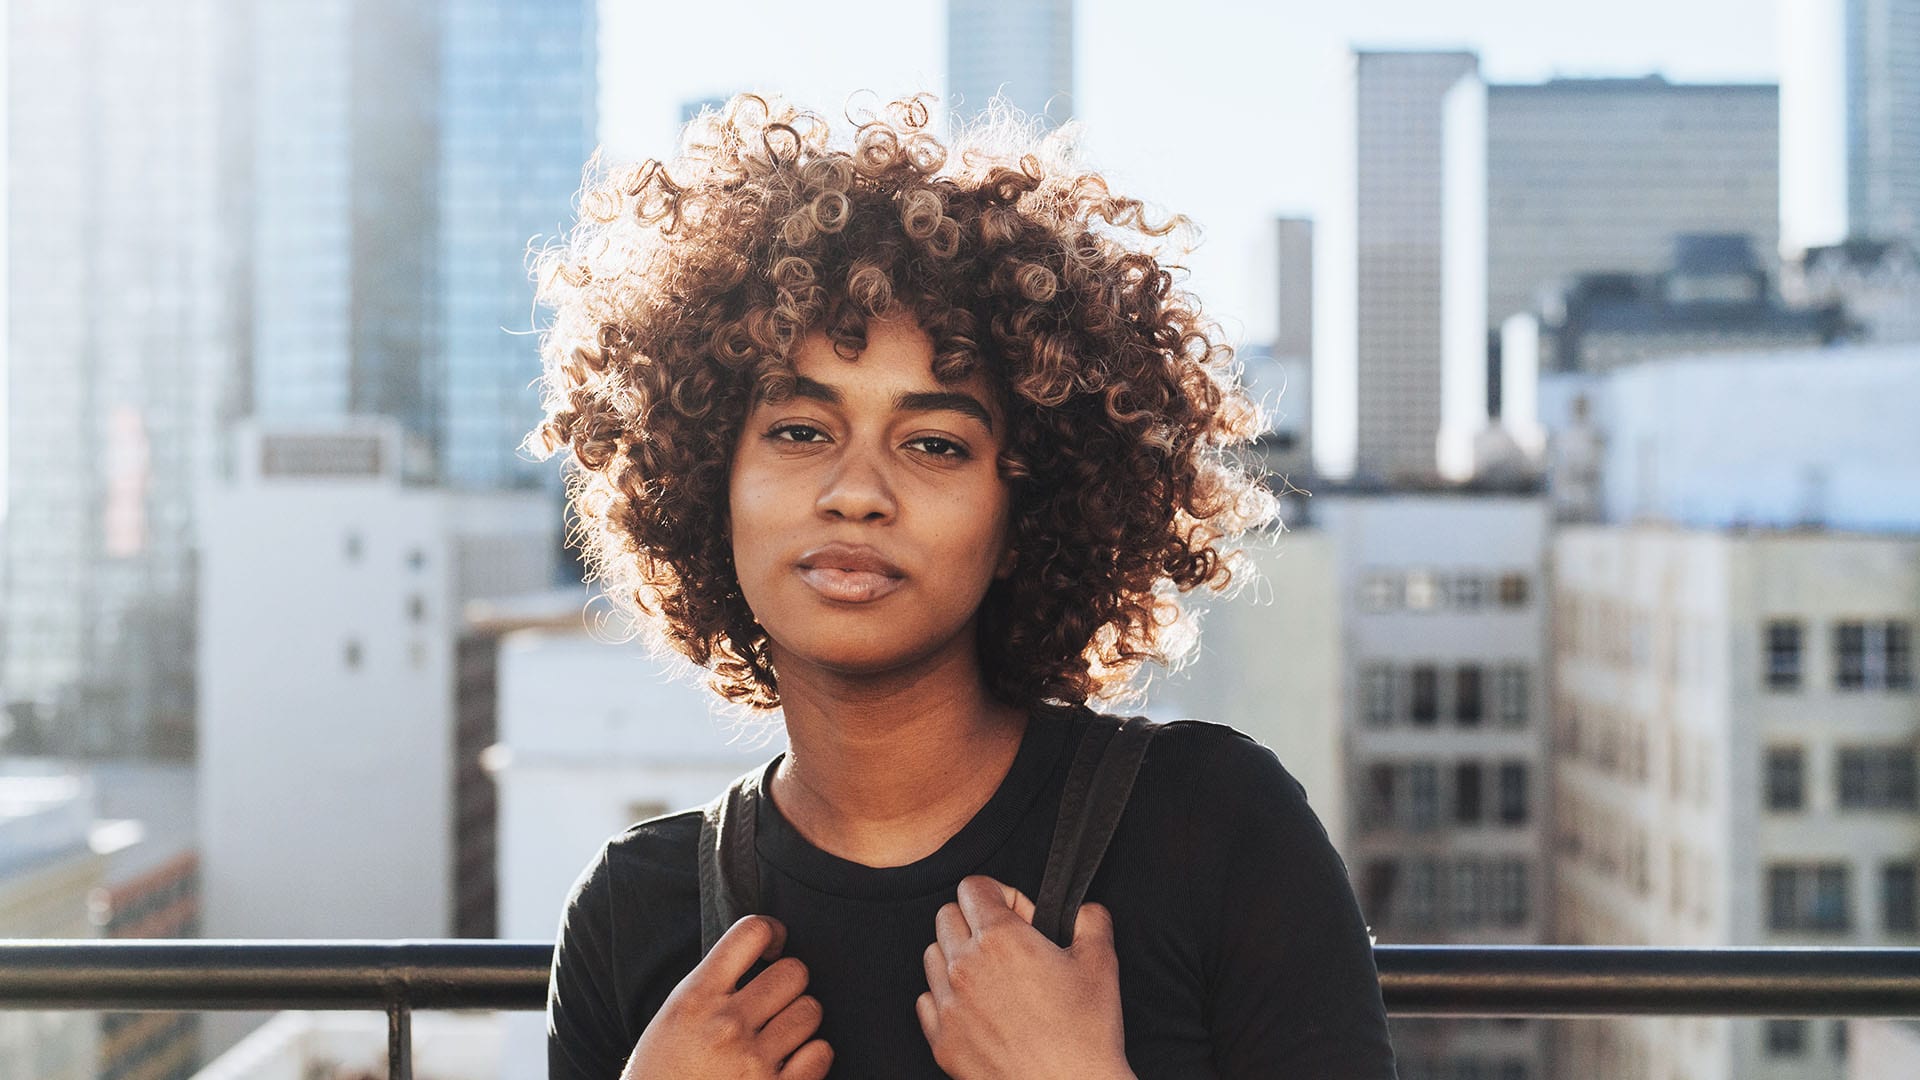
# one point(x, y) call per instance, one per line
point(708, 1029)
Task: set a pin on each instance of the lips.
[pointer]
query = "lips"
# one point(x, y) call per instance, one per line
point(849, 573)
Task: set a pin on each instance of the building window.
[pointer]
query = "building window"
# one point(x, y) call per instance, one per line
point(1376, 689)
point(1808, 897)
point(1897, 649)
point(1423, 795)
point(1423, 707)
point(1512, 892)
point(1381, 809)
point(416, 559)
point(1380, 592)
point(1786, 778)
point(1422, 591)
point(1510, 695)
point(1377, 890)
point(1850, 656)
point(1513, 590)
point(1466, 793)
point(1466, 592)
point(352, 653)
point(1786, 1038)
point(353, 547)
point(1898, 912)
point(1839, 1039)
point(1783, 654)
point(1423, 892)
point(417, 608)
point(1467, 699)
point(1877, 778)
point(1469, 893)
point(1513, 793)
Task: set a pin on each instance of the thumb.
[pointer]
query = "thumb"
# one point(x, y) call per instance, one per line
point(1092, 930)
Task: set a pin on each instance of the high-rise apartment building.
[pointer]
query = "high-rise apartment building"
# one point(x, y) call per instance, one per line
point(1882, 80)
point(1443, 625)
point(516, 120)
point(1734, 727)
point(120, 312)
point(1400, 130)
point(48, 870)
point(1602, 175)
point(1021, 50)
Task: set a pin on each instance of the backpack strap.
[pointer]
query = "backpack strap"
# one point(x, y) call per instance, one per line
point(1098, 784)
point(729, 869)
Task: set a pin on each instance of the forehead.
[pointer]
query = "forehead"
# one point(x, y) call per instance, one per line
point(898, 356)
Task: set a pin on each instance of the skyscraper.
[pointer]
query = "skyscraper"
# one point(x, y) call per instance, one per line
point(1400, 102)
point(120, 338)
point(1020, 50)
point(517, 122)
point(1882, 43)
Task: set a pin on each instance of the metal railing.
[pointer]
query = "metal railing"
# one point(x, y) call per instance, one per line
point(398, 977)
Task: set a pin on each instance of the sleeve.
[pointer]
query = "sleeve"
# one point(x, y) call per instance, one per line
point(586, 1039)
point(1291, 979)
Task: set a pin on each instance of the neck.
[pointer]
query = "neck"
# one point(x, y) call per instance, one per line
point(883, 770)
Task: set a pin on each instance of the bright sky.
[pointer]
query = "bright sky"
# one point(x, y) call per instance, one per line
point(1232, 113)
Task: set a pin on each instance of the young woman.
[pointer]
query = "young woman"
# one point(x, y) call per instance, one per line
point(919, 447)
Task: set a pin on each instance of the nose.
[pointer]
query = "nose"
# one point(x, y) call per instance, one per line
point(856, 489)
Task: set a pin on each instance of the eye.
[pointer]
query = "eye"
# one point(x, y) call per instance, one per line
point(939, 446)
point(798, 433)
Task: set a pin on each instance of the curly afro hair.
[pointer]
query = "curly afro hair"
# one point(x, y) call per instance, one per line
point(685, 286)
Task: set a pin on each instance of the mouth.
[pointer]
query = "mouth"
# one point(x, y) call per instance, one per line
point(849, 573)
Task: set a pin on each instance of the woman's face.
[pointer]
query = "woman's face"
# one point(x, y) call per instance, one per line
point(868, 513)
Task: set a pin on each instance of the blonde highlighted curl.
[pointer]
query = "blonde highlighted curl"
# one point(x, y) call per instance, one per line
point(685, 287)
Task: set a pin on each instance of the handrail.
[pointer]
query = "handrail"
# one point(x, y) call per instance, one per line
point(1416, 980)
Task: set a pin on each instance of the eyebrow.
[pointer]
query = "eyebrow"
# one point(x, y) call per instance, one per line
point(929, 401)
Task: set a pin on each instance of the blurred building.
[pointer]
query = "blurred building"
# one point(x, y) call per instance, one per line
point(1778, 439)
point(150, 889)
point(1883, 1049)
point(1021, 50)
point(1400, 106)
point(1882, 42)
point(353, 1046)
point(517, 122)
point(121, 337)
point(1716, 296)
point(1875, 282)
point(1281, 378)
point(594, 736)
point(1443, 659)
point(48, 871)
point(1593, 175)
point(1734, 732)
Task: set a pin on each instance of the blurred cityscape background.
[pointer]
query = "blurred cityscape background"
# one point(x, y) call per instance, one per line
point(1591, 340)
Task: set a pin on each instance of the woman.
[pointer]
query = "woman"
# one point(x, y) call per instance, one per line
point(919, 447)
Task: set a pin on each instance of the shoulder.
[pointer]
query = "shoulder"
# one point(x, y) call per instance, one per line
point(650, 862)
point(1223, 764)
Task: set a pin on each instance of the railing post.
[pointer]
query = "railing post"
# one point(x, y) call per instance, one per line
point(399, 1040)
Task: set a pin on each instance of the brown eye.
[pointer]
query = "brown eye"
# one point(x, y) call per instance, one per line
point(800, 433)
point(939, 447)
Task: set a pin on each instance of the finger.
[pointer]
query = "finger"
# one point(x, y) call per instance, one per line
point(934, 960)
point(986, 903)
point(793, 1026)
point(950, 927)
point(929, 1014)
point(810, 1062)
point(754, 937)
point(772, 990)
point(1092, 930)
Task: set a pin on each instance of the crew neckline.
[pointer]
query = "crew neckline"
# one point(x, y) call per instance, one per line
point(780, 843)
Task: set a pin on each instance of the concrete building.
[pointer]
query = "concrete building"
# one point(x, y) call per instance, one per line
point(331, 604)
point(1770, 439)
point(1734, 723)
point(1280, 376)
point(516, 125)
point(1443, 660)
point(1714, 297)
point(1883, 1049)
point(1021, 50)
point(1591, 175)
point(1400, 110)
point(48, 871)
point(121, 340)
point(1875, 282)
point(353, 1046)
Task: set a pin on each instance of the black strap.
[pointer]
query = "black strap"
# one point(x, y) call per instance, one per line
point(1096, 794)
point(729, 868)
point(1097, 787)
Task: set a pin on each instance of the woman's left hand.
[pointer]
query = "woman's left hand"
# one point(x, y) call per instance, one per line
point(1005, 1002)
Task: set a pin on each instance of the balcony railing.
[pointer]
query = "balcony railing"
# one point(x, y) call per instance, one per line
point(398, 977)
